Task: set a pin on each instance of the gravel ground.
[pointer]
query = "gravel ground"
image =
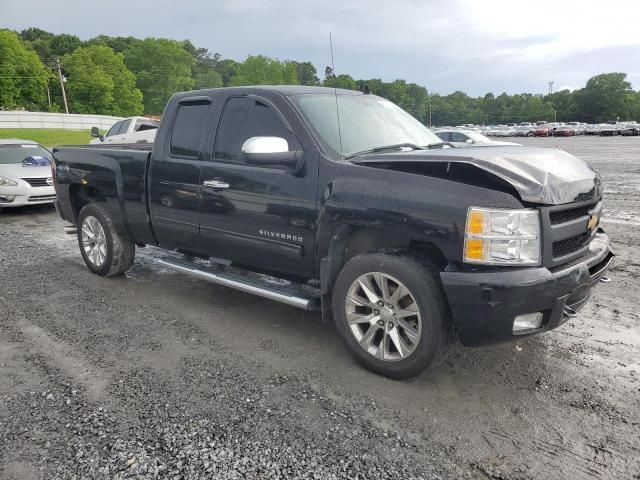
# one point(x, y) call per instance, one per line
point(155, 374)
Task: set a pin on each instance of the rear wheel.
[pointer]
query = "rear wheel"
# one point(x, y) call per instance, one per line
point(106, 250)
point(391, 313)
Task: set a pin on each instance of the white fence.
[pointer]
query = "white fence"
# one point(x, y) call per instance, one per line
point(71, 121)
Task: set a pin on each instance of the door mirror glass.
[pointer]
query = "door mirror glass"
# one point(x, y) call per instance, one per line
point(263, 145)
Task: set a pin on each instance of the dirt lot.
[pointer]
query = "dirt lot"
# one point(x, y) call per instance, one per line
point(155, 374)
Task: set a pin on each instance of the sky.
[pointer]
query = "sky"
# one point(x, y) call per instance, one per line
point(445, 45)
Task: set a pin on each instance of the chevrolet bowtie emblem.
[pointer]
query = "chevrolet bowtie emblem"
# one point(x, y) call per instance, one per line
point(593, 222)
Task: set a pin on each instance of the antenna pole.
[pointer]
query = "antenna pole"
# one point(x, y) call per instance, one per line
point(333, 67)
point(335, 93)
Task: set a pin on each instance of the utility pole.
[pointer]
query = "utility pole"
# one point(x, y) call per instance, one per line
point(64, 94)
point(430, 114)
point(48, 93)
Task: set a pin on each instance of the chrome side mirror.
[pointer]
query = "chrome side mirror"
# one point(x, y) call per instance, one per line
point(272, 152)
point(265, 145)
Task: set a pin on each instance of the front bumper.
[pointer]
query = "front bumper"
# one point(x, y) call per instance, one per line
point(22, 194)
point(485, 304)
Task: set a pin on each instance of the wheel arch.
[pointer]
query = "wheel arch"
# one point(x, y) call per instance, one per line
point(81, 195)
point(348, 241)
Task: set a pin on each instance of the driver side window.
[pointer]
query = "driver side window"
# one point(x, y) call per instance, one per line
point(114, 130)
point(243, 118)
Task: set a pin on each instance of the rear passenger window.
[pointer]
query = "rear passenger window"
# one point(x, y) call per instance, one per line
point(187, 129)
point(124, 127)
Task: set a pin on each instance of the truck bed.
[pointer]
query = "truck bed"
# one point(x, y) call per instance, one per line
point(118, 172)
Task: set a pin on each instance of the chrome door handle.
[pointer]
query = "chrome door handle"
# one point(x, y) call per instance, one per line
point(220, 184)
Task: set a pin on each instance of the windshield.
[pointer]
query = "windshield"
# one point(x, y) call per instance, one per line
point(17, 153)
point(366, 122)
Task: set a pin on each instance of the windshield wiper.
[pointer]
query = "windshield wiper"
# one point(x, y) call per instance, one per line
point(385, 148)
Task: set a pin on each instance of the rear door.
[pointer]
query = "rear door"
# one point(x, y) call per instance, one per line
point(261, 217)
point(174, 178)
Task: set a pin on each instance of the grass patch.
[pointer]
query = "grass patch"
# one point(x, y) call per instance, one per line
point(49, 137)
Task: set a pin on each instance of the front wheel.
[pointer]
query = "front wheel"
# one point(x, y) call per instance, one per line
point(391, 312)
point(106, 250)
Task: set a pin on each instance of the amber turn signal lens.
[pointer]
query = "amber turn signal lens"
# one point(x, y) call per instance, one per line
point(474, 249)
point(475, 222)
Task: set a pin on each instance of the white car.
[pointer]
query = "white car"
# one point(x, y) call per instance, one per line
point(470, 138)
point(129, 130)
point(25, 174)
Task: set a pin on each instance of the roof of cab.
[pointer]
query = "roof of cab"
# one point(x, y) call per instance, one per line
point(286, 90)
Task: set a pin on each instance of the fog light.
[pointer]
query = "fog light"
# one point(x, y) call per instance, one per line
point(7, 198)
point(526, 323)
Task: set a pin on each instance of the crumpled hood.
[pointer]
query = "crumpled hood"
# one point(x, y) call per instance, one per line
point(540, 175)
point(17, 170)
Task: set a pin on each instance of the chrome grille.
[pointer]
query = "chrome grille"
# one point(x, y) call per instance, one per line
point(38, 181)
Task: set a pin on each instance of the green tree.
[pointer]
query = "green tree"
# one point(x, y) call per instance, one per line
point(261, 70)
point(162, 68)
point(60, 45)
point(99, 82)
point(204, 67)
point(117, 44)
point(564, 104)
point(23, 77)
point(604, 97)
point(306, 73)
point(341, 81)
point(633, 106)
point(227, 69)
point(39, 41)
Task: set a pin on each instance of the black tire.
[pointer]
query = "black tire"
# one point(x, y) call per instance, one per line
point(120, 249)
point(421, 277)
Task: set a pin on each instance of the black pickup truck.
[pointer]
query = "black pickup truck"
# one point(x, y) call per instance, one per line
point(356, 208)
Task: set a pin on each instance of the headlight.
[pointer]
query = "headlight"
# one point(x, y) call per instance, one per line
point(502, 237)
point(5, 182)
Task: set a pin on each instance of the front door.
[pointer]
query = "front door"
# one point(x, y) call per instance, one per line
point(260, 217)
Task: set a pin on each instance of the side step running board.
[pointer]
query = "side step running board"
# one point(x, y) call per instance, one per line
point(261, 288)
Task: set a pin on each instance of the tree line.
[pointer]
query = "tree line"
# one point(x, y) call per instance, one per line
point(126, 76)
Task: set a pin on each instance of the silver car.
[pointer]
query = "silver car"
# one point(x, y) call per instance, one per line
point(469, 138)
point(25, 174)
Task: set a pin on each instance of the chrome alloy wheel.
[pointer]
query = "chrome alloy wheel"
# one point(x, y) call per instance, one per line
point(383, 316)
point(94, 241)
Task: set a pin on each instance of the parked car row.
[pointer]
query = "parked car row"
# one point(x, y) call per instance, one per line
point(553, 129)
